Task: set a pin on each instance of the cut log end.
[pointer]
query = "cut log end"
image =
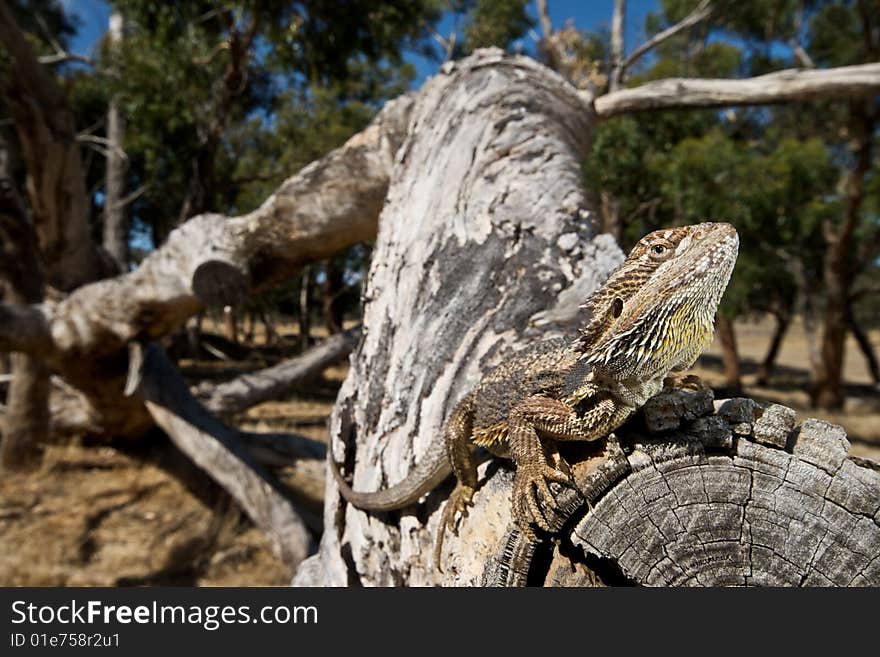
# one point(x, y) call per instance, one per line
point(217, 283)
point(686, 508)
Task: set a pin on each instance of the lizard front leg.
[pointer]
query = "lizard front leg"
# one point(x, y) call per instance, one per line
point(533, 501)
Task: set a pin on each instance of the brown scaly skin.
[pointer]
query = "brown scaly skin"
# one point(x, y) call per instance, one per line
point(654, 315)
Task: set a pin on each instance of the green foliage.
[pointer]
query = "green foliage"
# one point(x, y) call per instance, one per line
point(495, 23)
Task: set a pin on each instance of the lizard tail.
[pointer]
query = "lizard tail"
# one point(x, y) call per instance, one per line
point(427, 475)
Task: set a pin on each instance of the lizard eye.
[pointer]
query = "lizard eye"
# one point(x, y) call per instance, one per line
point(616, 307)
point(660, 251)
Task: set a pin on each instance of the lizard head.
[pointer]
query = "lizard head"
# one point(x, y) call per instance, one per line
point(657, 309)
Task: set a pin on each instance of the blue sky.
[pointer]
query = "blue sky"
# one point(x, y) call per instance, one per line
point(586, 14)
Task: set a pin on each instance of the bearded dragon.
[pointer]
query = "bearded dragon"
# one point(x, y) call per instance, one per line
point(654, 315)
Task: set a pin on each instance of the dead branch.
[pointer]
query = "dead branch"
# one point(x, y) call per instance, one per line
point(778, 87)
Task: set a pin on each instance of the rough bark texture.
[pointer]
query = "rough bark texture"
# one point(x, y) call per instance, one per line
point(55, 181)
point(456, 282)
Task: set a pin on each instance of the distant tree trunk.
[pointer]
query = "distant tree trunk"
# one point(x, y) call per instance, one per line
point(115, 213)
point(305, 308)
point(864, 342)
point(56, 185)
point(611, 215)
point(765, 369)
point(230, 324)
point(615, 80)
point(331, 289)
point(729, 353)
point(25, 427)
point(827, 383)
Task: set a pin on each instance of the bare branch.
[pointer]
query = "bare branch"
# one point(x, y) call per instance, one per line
point(271, 383)
point(799, 53)
point(131, 198)
point(778, 87)
point(544, 19)
point(701, 13)
point(62, 56)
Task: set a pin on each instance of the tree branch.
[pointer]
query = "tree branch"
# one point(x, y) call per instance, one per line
point(63, 56)
point(617, 67)
point(778, 87)
point(271, 383)
point(701, 13)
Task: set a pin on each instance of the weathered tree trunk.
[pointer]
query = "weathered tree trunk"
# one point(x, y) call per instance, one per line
point(211, 260)
point(56, 186)
point(729, 353)
point(459, 281)
point(115, 214)
point(25, 425)
point(456, 283)
point(765, 369)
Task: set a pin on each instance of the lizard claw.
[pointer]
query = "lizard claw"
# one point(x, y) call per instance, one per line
point(456, 508)
point(531, 492)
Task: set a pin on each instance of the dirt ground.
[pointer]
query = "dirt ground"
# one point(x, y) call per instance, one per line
point(123, 515)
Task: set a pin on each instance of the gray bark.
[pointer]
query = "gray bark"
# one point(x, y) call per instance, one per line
point(485, 243)
point(457, 282)
point(211, 260)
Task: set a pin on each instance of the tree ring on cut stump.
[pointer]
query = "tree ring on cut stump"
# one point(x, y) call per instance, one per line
point(218, 283)
point(757, 517)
